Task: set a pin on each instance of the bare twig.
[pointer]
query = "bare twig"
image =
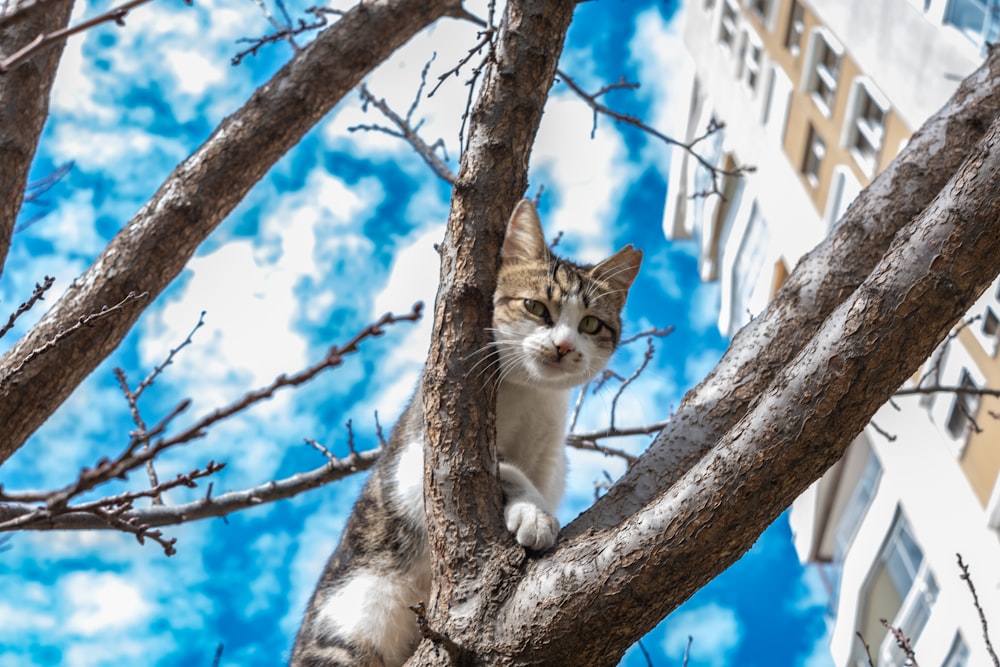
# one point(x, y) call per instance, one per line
point(868, 650)
point(965, 576)
point(118, 512)
point(217, 659)
point(84, 321)
point(589, 441)
point(592, 100)
point(940, 389)
point(902, 642)
point(407, 132)
point(205, 507)
point(652, 332)
point(116, 15)
point(37, 295)
point(646, 358)
point(284, 32)
point(645, 653)
point(882, 432)
point(321, 449)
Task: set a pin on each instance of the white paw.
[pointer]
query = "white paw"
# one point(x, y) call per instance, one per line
point(533, 527)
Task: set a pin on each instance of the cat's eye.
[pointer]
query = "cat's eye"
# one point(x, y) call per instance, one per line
point(536, 308)
point(590, 325)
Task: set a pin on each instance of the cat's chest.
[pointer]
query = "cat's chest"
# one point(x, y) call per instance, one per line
point(530, 421)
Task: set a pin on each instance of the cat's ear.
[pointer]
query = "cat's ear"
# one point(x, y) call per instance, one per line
point(619, 270)
point(524, 240)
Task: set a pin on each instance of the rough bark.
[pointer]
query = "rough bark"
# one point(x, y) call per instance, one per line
point(471, 549)
point(155, 245)
point(24, 104)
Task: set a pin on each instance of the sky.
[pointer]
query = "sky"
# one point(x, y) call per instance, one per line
point(340, 231)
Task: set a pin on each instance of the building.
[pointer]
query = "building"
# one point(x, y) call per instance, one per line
point(820, 95)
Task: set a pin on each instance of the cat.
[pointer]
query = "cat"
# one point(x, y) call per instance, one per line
point(555, 325)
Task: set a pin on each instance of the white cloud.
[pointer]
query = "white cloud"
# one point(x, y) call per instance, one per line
point(193, 72)
point(715, 630)
point(102, 601)
point(588, 176)
point(658, 52)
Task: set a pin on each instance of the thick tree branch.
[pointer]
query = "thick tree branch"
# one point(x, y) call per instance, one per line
point(471, 549)
point(156, 244)
point(821, 281)
point(813, 406)
point(24, 97)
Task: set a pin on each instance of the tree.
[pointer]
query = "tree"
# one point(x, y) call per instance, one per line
point(798, 383)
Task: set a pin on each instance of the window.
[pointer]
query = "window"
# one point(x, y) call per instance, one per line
point(991, 324)
point(747, 269)
point(761, 9)
point(963, 407)
point(844, 188)
point(900, 588)
point(823, 72)
point(857, 506)
point(976, 19)
point(751, 53)
point(867, 129)
point(796, 28)
point(813, 158)
point(727, 27)
point(958, 655)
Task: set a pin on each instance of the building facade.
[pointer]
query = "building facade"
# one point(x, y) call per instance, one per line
point(819, 96)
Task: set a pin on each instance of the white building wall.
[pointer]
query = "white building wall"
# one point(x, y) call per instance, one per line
point(920, 476)
point(914, 58)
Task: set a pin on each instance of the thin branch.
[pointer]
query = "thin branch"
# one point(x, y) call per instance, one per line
point(406, 131)
point(965, 576)
point(598, 108)
point(589, 441)
point(37, 295)
point(882, 432)
point(868, 650)
point(116, 15)
point(652, 332)
point(940, 389)
point(118, 511)
point(646, 358)
point(84, 321)
point(36, 189)
point(205, 507)
point(903, 642)
point(334, 357)
point(284, 32)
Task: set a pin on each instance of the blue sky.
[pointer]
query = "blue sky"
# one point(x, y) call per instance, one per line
point(340, 231)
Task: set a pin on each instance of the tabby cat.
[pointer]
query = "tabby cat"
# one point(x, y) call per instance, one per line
point(555, 324)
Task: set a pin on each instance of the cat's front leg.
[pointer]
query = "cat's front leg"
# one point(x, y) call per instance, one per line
point(524, 510)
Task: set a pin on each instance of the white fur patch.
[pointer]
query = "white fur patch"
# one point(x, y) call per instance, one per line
point(409, 479)
point(372, 609)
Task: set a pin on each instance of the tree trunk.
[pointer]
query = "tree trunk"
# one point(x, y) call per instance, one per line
point(24, 104)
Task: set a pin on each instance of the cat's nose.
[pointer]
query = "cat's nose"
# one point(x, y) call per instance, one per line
point(563, 348)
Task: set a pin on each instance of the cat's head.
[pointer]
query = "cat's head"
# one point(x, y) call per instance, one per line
point(555, 323)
